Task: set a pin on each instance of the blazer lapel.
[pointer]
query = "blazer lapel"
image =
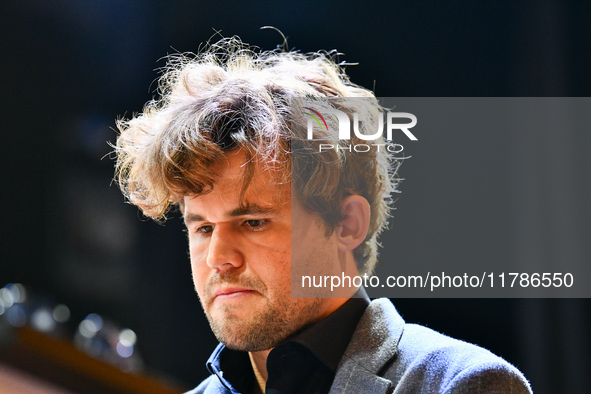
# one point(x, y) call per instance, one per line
point(373, 344)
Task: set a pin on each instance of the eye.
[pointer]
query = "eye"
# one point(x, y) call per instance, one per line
point(256, 224)
point(205, 229)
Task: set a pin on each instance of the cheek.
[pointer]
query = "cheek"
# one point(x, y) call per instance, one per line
point(199, 281)
point(275, 272)
point(199, 267)
point(198, 248)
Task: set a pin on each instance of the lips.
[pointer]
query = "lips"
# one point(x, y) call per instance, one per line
point(233, 286)
point(231, 292)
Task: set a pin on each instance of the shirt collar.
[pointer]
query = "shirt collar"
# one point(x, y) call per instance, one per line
point(328, 339)
point(233, 369)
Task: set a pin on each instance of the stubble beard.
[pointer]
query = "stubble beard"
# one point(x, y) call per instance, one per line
point(267, 326)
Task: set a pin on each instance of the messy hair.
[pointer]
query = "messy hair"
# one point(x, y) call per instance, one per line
point(231, 96)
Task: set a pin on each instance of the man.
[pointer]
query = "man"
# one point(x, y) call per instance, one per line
point(227, 143)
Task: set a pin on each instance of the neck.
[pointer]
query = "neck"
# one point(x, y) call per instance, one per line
point(259, 366)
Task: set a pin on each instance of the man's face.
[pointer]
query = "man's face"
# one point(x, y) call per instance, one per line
point(241, 258)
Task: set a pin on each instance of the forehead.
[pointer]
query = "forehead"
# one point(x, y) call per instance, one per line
point(241, 184)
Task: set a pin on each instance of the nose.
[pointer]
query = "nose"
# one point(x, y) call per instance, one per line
point(224, 252)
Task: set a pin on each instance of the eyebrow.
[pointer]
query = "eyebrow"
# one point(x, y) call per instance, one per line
point(252, 209)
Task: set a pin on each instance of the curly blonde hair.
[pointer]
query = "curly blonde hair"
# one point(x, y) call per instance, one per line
point(232, 96)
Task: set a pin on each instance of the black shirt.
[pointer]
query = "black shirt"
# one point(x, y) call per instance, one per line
point(305, 363)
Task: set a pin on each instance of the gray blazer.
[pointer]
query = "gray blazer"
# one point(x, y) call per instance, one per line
point(386, 356)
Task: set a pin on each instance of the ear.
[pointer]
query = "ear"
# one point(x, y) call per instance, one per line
point(351, 232)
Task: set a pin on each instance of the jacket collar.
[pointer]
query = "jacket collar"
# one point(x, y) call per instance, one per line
point(374, 343)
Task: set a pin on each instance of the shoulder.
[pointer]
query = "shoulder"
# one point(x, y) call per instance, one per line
point(432, 362)
point(417, 359)
point(211, 385)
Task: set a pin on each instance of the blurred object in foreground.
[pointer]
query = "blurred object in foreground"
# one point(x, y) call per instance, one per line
point(95, 335)
point(21, 307)
point(14, 381)
point(102, 339)
point(60, 364)
point(36, 342)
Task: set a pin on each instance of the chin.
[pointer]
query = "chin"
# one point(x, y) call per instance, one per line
point(250, 335)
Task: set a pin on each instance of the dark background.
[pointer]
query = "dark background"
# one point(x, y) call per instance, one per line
point(70, 68)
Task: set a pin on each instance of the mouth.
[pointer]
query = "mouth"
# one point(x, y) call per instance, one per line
point(231, 294)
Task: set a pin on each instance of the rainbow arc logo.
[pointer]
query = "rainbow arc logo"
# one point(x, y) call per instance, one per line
point(315, 115)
